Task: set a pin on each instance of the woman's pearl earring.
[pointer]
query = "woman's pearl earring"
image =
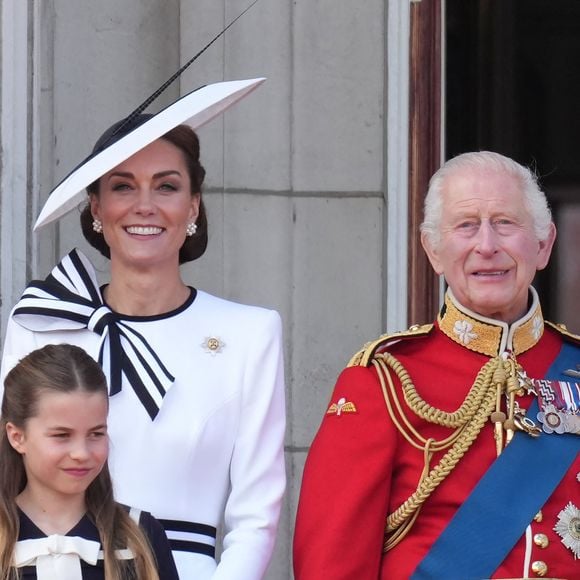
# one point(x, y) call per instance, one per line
point(191, 229)
point(98, 226)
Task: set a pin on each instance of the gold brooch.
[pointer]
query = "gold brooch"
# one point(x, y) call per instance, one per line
point(568, 528)
point(213, 345)
point(341, 406)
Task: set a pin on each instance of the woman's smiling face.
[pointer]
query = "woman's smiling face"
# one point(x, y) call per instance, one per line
point(145, 204)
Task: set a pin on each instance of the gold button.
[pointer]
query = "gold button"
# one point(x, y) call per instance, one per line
point(539, 517)
point(541, 540)
point(540, 568)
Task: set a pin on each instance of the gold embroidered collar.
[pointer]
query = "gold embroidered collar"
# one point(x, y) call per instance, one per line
point(486, 335)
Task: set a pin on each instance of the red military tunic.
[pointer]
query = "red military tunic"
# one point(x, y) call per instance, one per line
point(360, 467)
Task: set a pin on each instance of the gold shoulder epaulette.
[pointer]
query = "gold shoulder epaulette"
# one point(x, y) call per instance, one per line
point(366, 353)
point(561, 329)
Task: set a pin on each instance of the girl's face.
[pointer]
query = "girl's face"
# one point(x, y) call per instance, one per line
point(145, 205)
point(65, 446)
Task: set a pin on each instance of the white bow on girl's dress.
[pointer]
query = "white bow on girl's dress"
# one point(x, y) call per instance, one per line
point(56, 557)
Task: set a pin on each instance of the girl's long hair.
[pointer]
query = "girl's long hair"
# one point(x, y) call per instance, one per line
point(64, 368)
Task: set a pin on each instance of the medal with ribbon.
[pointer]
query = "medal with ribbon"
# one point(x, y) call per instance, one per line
point(559, 403)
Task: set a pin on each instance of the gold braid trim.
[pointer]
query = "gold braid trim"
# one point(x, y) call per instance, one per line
point(364, 356)
point(562, 330)
point(456, 419)
point(468, 421)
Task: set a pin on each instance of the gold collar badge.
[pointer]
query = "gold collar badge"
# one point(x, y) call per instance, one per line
point(488, 336)
point(340, 407)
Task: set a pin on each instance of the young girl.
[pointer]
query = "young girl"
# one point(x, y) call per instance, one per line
point(58, 518)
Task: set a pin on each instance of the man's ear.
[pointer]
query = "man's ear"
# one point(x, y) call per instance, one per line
point(15, 437)
point(545, 248)
point(432, 253)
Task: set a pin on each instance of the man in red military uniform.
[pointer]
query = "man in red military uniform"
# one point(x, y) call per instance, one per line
point(450, 451)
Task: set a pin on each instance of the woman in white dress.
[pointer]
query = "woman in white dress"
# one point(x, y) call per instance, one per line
point(196, 382)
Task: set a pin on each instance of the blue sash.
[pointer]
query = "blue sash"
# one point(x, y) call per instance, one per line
point(492, 519)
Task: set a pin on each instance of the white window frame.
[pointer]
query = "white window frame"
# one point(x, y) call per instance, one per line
point(397, 164)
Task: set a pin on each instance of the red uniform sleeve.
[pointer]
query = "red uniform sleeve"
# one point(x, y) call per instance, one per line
point(345, 488)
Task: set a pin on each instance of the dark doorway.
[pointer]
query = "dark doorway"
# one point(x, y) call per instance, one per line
point(512, 72)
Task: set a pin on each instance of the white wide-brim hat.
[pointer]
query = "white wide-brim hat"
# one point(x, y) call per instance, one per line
point(194, 109)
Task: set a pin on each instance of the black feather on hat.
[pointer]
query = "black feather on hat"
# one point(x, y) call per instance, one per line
point(137, 131)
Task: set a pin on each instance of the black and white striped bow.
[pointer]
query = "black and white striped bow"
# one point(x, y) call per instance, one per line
point(70, 299)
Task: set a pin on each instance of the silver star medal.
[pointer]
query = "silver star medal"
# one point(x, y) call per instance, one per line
point(524, 381)
point(568, 528)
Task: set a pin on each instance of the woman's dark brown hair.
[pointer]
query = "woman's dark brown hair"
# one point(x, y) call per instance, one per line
point(63, 368)
point(186, 140)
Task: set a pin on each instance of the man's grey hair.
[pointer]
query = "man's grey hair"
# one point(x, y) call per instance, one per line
point(534, 197)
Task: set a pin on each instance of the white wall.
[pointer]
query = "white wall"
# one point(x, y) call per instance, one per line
point(14, 162)
point(297, 183)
